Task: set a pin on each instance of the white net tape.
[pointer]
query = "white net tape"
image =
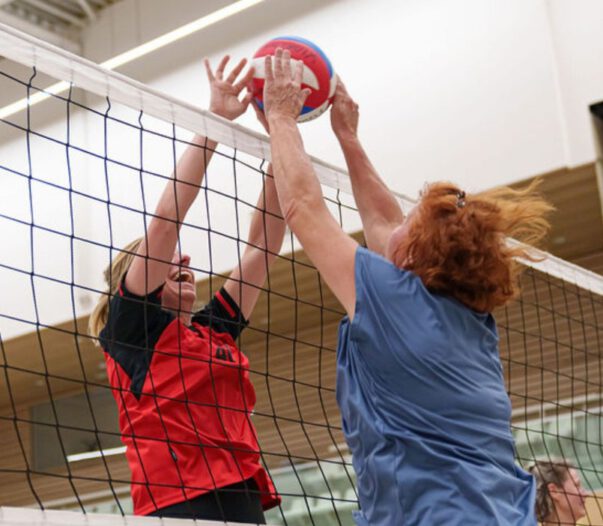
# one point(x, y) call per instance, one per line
point(27, 517)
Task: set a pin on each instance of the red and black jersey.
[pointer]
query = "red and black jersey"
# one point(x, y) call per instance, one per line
point(184, 398)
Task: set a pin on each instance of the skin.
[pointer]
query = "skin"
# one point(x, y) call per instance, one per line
point(160, 262)
point(328, 247)
point(568, 500)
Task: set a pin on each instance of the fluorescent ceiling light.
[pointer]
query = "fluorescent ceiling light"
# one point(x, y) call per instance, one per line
point(138, 52)
point(96, 454)
point(37, 97)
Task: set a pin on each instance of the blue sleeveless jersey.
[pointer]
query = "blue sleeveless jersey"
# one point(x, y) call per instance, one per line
point(424, 407)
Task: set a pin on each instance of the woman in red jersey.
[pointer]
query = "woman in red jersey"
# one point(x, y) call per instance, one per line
point(181, 384)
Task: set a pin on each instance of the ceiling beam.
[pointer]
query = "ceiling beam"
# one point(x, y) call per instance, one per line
point(36, 31)
point(59, 13)
point(87, 9)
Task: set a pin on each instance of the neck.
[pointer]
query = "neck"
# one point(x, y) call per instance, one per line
point(558, 518)
point(183, 316)
point(185, 319)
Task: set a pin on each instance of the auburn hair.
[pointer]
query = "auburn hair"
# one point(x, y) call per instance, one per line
point(114, 274)
point(456, 242)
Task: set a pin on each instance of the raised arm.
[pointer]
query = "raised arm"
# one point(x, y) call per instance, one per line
point(149, 270)
point(299, 192)
point(379, 209)
point(264, 242)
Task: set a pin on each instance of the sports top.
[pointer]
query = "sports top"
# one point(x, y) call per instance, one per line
point(424, 407)
point(184, 399)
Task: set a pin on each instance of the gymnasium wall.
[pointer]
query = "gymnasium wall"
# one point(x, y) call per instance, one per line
point(480, 92)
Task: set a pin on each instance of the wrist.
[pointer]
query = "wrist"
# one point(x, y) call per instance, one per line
point(219, 112)
point(205, 142)
point(348, 139)
point(277, 119)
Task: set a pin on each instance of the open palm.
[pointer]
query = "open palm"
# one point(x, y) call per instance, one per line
point(225, 93)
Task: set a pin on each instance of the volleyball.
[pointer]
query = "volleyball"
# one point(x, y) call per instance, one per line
point(318, 74)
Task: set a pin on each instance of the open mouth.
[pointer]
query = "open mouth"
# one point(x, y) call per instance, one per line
point(183, 277)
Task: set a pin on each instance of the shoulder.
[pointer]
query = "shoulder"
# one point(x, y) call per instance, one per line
point(134, 320)
point(389, 300)
point(373, 270)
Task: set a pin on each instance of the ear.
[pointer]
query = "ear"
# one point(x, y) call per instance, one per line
point(555, 491)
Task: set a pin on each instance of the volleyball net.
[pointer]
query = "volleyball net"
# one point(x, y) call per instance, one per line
point(85, 153)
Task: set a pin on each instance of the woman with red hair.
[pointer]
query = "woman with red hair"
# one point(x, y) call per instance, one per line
point(419, 380)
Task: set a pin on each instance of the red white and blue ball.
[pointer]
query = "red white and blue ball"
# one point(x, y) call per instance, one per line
point(318, 74)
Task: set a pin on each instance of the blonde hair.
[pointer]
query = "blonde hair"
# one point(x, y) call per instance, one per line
point(114, 274)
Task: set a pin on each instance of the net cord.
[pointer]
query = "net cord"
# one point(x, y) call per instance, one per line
point(10, 516)
point(85, 74)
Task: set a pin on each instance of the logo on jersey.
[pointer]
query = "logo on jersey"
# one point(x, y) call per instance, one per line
point(224, 353)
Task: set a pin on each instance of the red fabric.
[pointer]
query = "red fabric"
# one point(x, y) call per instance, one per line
point(190, 431)
point(225, 304)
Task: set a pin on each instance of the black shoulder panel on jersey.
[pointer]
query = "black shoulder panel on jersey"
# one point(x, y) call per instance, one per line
point(134, 325)
point(222, 314)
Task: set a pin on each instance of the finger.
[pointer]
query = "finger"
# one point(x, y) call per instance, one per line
point(247, 99)
point(235, 72)
point(341, 92)
point(208, 70)
point(268, 73)
point(221, 66)
point(299, 72)
point(245, 81)
point(304, 95)
point(287, 64)
point(278, 63)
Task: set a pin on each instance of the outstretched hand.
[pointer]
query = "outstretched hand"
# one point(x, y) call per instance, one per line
point(283, 94)
point(224, 98)
point(344, 114)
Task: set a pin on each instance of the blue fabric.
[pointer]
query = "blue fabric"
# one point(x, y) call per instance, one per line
point(313, 46)
point(424, 407)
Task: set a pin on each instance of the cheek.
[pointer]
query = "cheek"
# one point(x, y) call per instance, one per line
point(394, 241)
point(167, 295)
point(576, 500)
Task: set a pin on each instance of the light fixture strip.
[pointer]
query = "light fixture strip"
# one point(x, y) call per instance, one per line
point(96, 454)
point(137, 52)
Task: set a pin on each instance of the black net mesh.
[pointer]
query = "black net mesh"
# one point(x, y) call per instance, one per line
point(80, 180)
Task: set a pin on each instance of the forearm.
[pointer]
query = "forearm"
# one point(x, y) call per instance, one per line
point(180, 193)
point(378, 207)
point(297, 186)
point(323, 240)
point(267, 229)
point(264, 242)
point(161, 237)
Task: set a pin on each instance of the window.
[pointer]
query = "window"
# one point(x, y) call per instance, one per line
point(76, 419)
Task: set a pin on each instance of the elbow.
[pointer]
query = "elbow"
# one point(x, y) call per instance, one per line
point(296, 211)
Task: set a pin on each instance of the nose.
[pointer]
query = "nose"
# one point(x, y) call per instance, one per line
point(181, 260)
